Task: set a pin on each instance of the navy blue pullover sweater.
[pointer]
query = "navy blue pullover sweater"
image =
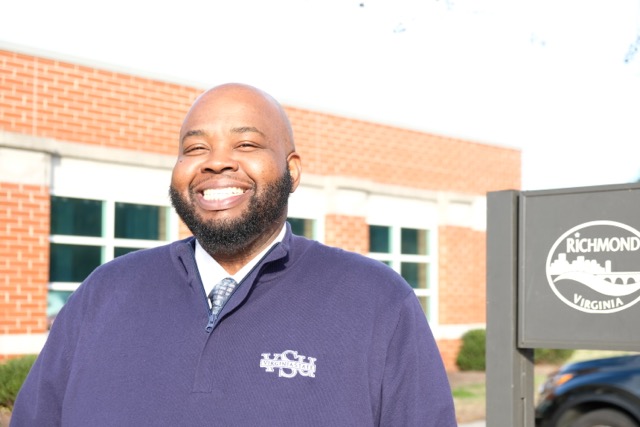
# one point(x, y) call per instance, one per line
point(313, 336)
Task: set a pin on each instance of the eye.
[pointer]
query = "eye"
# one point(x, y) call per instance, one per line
point(246, 146)
point(194, 149)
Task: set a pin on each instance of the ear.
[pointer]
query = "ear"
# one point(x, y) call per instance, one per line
point(294, 164)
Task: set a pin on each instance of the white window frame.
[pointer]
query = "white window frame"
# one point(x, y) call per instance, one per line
point(398, 212)
point(395, 258)
point(107, 242)
point(110, 184)
point(307, 202)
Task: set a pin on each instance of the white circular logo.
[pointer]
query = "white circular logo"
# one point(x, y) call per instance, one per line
point(595, 267)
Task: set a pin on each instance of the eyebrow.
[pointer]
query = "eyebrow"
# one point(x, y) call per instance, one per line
point(235, 130)
point(244, 129)
point(196, 132)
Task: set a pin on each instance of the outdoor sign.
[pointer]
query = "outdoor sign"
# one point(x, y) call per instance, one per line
point(579, 268)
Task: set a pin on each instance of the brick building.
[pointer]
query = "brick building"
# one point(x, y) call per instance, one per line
point(86, 153)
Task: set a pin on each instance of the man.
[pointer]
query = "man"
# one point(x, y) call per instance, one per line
point(305, 334)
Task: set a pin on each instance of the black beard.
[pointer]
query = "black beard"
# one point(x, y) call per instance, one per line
point(233, 236)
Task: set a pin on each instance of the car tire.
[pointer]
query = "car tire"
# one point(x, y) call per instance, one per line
point(604, 418)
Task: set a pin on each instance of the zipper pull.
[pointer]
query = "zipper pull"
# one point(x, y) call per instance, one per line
point(210, 323)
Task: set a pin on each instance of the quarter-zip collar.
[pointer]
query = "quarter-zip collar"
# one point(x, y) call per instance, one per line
point(185, 258)
point(211, 272)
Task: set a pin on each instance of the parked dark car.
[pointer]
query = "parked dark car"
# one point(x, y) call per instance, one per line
point(601, 392)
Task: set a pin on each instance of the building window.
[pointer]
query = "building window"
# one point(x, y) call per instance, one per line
point(86, 233)
point(140, 222)
point(76, 217)
point(407, 251)
point(303, 227)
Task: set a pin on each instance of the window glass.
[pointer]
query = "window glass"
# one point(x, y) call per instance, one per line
point(122, 251)
point(55, 301)
point(140, 222)
point(425, 302)
point(87, 233)
point(302, 227)
point(72, 263)
point(415, 273)
point(379, 239)
point(297, 225)
point(76, 217)
point(414, 242)
point(406, 250)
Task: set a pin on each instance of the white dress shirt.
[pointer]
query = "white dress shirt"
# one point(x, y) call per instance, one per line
point(211, 272)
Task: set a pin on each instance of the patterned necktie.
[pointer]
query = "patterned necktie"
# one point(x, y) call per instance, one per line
point(220, 293)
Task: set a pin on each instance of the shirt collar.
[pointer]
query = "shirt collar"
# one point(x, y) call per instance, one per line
point(211, 272)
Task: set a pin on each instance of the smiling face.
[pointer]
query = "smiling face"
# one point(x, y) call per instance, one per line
point(235, 170)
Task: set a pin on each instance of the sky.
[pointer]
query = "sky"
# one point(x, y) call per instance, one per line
point(557, 79)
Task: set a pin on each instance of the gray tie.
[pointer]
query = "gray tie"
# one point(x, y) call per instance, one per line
point(220, 293)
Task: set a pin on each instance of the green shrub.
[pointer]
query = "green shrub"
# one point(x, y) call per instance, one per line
point(551, 356)
point(472, 353)
point(12, 375)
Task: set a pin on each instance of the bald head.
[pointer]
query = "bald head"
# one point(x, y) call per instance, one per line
point(246, 97)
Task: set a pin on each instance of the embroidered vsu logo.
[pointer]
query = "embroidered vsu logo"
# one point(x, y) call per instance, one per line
point(593, 267)
point(289, 364)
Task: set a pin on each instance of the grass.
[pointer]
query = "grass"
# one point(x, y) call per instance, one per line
point(470, 397)
point(473, 391)
point(469, 407)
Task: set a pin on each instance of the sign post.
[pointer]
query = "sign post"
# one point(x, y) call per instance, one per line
point(563, 271)
point(509, 368)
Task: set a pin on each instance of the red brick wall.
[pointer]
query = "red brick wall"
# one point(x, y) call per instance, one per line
point(331, 145)
point(461, 275)
point(24, 258)
point(69, 102)
point(347, 232)
point(183, 230)
point(449, 350)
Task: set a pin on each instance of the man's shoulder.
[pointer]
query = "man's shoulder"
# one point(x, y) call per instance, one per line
point(356, 267)
point(316, 249)
point(136, 255)
point(148, 260)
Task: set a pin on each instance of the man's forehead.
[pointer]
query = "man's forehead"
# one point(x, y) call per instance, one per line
point(229, 120)
point(235, 94)
point(237, 108)
point(230, 104)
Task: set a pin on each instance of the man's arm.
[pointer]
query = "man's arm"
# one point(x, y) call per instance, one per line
point(39, 402)
point(415, 389)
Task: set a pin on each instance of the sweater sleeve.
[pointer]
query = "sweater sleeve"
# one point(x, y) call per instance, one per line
point(415, 388)
point(39, 402)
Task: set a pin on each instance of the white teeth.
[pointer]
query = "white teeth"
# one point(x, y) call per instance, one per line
point(221, 193)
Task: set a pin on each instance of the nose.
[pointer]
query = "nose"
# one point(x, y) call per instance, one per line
point(220, 159)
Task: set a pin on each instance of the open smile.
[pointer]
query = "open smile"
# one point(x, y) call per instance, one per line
point(221, 198)
point(216, 194)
